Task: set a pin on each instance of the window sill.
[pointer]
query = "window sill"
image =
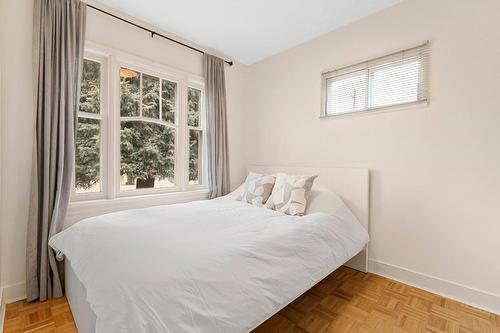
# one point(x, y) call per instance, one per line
point(381, 109)
point(79, 210)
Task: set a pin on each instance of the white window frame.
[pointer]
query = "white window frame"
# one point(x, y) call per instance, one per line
point(103, 117)
point(203, 121)
point(163, 74)
point(368, 66)
point(110, 128)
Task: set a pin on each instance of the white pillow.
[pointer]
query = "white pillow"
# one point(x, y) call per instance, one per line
point(257, 188)
point(323, 200)
point(237, 193)
point(290, 193)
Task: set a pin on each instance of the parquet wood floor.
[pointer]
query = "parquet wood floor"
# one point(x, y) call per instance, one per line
point(346, 301)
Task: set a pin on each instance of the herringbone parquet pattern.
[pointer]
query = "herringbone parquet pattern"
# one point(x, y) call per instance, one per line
point(351, 301)
point(346, 301)
point(51, 316)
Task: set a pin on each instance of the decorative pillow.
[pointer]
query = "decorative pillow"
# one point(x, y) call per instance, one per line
point(289, 194)
point(257, 188)
point(323, 200)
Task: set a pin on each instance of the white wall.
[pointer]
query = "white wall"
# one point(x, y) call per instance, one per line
point(236, 90)
point(18, 117)
point(2, 34)
point(435, 180)
point(16, 139)
point(435, 186)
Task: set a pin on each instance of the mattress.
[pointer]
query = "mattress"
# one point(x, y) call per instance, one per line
point(76, 294)
point(210, 266)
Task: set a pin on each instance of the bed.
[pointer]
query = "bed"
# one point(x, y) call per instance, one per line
point(209, 266)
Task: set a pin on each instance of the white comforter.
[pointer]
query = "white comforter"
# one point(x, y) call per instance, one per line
point(207, 266)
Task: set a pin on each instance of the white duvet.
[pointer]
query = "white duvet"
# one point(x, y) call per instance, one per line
point(206, 266)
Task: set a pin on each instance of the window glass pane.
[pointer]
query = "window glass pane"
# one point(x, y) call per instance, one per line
point(130, 97)
point(346, 93)
point(87, 156)
point(395, 83)
point(90, 87)
point(147, 155)
point(150, 96)
point(392, 80)
point(168, 95)
point(195, 137)
point(194, 100)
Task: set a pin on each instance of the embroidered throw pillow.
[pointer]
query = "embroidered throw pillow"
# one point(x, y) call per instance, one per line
point(257, 188)
point(289, 194)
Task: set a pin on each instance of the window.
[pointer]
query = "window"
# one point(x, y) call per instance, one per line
point(146, 137)
point(396, 79)
point(195, 135)
point(147, 131)
point(88, 132)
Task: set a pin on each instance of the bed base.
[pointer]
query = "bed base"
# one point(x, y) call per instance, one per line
point(352, 184)
point(76, 293)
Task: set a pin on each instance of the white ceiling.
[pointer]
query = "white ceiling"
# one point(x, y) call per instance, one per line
point(248, 30)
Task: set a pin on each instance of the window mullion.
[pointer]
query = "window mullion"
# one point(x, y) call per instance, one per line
point(160, 101)
point(203, 124)
point(114, 132)
point(89, 115)
point(149, 120)
point(140, 95)
point(183, 147)
point(368, 94)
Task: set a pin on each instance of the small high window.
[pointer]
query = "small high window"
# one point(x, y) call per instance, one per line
point(397, 79)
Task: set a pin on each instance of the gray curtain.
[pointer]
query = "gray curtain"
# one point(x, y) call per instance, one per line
point(217, 154)
point(58, 41)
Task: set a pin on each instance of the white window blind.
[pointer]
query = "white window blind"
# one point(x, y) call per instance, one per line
point(397, 79)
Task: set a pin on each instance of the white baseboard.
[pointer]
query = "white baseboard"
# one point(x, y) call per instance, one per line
point(14, 292)
point(468, 295)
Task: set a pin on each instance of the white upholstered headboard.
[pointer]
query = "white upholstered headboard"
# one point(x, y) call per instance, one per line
point(351, 184)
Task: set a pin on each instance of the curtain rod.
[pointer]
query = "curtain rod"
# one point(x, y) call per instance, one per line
point(152, 32)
